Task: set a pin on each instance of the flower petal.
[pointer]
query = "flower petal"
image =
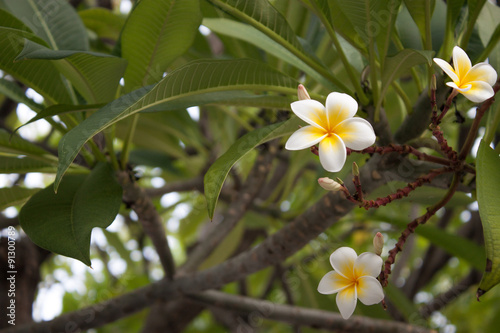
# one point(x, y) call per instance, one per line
point(342, 261)
point(357, 133)
point(368, 264)
point(340, 107)
point(333, 282)
point(479, 91)
point(369, 290)
point(446, 67)
point(332, 153)
point(305, 137)
point(462, 88)
point(461, 62)
point(482, 72)
point(346, 301)
point(312, 112)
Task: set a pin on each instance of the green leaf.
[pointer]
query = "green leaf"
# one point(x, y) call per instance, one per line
point(14, 196)
point(488, 192)
point(103, 22)
point(451, 243)
point(95, 75)
point(400, 63)
point(16, 145)
point(58, 109)
point(417, 11)
point(253, 36)
point(16, 93)
point(209, 81)
point(24, 165)
point(150, 48)
point(39, 75)
point(216, 175)
point(63, 222)
point(55, 21)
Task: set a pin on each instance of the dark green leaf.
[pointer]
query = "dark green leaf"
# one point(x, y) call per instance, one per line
point(417, 11)
point(150, 48)
point(94, 75)
point(14, 196)
point(63, 222)
point(24, 165)
point(488, 192)
point(41, 76)
point(55, 21)
point(16, 145)
point(216, 175)
point(208, 82)
point(103, 22)
point(16, 93)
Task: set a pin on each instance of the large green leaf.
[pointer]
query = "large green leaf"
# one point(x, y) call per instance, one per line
point(95, 75)
point(55, 21)
point(63, 222)
point(263, 16)
point(216, 175)
point(400, 63)
point(103, 22)
point(421, 12)
point(253, 36)
point(197, 83)
point(24, 165)
point(488, 192)
point(156, 33)
point(14, 144)
point(13, 196)
point(43, 77)
point(16, 93)
point(59, 109)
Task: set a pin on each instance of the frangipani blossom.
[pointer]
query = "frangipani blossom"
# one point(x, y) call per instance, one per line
point(333, 127)
point(475, 83)
point(353, 277)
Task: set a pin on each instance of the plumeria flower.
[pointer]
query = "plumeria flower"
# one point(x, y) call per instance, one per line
point(475, 83)
point(333, 127)
point(329, 184)
point(353, 277)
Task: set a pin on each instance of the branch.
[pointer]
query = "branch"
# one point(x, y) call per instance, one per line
point(195, 184)
point(259, 309)
point(272, 251)
point(151, 221)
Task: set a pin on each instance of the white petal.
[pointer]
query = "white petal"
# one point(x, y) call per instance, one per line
point(479, 92)
point(342, 261)
point(446, 67)
point(305, 137)
point(332, 153)
point(369, 290)
point(333, 282)
point(357, 133)
point(368, 264)
point(311, 111)
point(482, 72)
point(461, 62)
point(463, 88)
point(346, 301)
point(339, 107)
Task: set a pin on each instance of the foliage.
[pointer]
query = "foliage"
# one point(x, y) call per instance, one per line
point(159, 113)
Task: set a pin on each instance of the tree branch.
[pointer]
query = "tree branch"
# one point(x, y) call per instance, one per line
point(259, 309)
point(151, 221)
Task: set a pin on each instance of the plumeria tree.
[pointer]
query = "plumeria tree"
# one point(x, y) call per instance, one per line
point(249, 166)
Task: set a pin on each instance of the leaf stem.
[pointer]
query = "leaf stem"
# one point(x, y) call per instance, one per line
point(128, 141)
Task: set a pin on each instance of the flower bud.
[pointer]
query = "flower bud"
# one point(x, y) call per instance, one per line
point(355, 169)
point(302, 93)
point(329, 184)
point(378, 243)
point(433, 82)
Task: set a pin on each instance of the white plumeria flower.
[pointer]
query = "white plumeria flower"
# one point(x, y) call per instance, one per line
point(333, 127)
point(475, 83)
point(353, 277)
point(329, 184)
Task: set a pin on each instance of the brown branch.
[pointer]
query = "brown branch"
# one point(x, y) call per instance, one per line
point(318, 319)
point(441, 300)
point(136, 197)
point(273, 250)
point(194, 184)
